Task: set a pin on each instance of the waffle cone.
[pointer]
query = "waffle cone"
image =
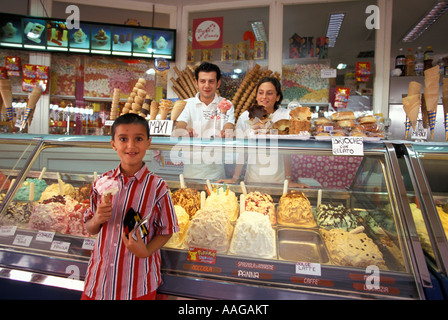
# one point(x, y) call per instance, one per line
point(414, 88)
point(177, 110)
point(154, 110)
point(431, 100)
point(164, 111)
point(411, 105)
point(6, 92)
point(34, 97)
point(445, 104)
point(432, 77)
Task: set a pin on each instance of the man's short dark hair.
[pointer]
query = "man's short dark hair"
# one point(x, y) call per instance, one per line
point(129, 118)
point(207, 67)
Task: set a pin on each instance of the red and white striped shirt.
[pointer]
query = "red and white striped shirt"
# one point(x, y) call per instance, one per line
point(113, 272)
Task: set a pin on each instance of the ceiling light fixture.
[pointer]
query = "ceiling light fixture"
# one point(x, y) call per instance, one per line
point(430, 18)
point(259, 31)
point(334, 26)
point(341, 66)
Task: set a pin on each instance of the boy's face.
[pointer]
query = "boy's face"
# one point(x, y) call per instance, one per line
point(207, 85)
point(131, 142)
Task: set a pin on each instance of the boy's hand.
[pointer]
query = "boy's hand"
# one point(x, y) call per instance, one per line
point(137, 247)
point(104, 210)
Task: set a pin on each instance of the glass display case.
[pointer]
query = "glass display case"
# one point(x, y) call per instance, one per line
point(346, 235)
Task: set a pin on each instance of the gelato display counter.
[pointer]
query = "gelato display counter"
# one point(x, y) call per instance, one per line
point(349, 234)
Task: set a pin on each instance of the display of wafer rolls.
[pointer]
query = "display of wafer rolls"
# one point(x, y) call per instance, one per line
point(6, 92)
point(115, 102)
point(154, 110)
point(185, 85)
point(136, 98)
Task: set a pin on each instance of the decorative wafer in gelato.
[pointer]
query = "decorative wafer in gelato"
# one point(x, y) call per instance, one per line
point(53, 190)
point(295, 210)
point(209, 229)
point(253, 236)
point(23, 194)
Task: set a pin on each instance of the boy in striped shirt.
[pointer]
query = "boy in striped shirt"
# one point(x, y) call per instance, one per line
point(120, 266)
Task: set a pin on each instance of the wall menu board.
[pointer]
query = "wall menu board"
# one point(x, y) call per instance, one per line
point(48, 34)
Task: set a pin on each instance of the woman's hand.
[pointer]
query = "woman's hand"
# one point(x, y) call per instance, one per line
point(292, 184)
point(227, 181)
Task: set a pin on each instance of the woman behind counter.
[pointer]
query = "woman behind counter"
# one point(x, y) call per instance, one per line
point(278, 168)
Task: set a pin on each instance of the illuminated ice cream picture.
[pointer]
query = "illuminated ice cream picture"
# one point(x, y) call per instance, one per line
point(101, 38)
point(9, 30)
point(161, 43)
point(79, 36)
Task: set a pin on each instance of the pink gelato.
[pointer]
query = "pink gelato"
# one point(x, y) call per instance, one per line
point(4, 182)
point(106, 186)
point(224, 105)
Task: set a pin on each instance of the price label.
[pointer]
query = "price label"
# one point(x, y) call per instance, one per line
point(328, 73)
point(45, 236)
point(7, 231)
point(88, 244)
point(108, 123)
point(60, 246)
point(22, 240)
point(419, 134)
point(160, 127)
point(308, 268)
point(348, 146)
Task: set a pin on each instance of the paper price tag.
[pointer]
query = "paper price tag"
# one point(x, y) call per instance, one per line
point(348, 146)
point(109, 123)
point(7, 231)
point(328, 73)
point(45, 236)
point(60, 246)
point(308, 268)
point(419, 134)
point(22, 240)
point(88, 244)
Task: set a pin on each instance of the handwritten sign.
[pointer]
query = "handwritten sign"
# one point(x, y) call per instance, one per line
point(308, 268)
point(419, 134)
point(160, 127)
point(60, 246)
point(7, 231)
point(348, 146)
point(328, 73)
point(88, 244)
point(45, 236)
point(22, 240)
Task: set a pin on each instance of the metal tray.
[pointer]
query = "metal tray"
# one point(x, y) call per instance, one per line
point(301, 245)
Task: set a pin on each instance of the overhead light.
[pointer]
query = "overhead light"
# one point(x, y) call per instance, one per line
point(430, 18)
point(334, 26)
point(237, 71)
point(341, 66)
point(259, 31)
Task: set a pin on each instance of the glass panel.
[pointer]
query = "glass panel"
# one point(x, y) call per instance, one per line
point(309, 48)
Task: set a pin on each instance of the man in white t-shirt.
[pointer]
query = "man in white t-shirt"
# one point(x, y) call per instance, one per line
point(201, 118)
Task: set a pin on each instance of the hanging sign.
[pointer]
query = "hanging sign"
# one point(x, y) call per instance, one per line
point(207, 33)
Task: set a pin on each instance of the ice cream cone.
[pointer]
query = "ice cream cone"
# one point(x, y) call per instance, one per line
point(411, 105)
point(6, 92)
point(432, 122)
point(34, 97)
point(164, 111)
point(178, 107)
point(414, 88)
point(154, 110)
point(424, 111)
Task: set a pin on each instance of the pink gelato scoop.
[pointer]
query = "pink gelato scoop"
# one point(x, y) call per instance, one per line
point(224, 105)
point(106, 186)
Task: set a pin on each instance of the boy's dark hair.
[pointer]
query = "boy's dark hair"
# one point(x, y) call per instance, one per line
point(129, 118)
point(207, 67)
point(278, 88)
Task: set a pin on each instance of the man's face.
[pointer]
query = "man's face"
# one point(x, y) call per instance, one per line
point(207, 85)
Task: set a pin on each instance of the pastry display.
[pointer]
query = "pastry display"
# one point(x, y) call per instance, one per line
point(183, 220)
point(300, 120)
point(224, 199)
point(262, 203)
point(187, 198)
point(295, 210)
point(253, 236)
point(330, 216)
point(352, 249)
point(209, 229)
point(23, 194)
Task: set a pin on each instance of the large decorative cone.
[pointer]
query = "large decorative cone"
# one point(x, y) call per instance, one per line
point(6, 92)
point(414, 88)
point(411, 105)
point(432, 122)
point(178, 107)
point(424, 113)
point(432, 79)
point(32, 101)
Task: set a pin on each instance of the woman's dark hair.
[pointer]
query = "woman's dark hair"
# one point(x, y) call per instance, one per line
point(207, 67)
point(129, 118)
point(278, 89)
